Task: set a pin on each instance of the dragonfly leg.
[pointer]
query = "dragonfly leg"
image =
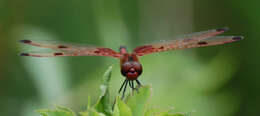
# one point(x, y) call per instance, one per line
point(130, 84)
point(135, 88)
point(124, 83)
point(122, 86)
point(138, 83)
point(125, 89)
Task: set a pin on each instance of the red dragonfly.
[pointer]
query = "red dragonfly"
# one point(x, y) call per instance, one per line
point(131, 68)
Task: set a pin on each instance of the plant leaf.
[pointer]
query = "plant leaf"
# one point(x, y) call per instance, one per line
point(176, 114)
point(138, 100)
point(121, 109)
point(91, 112)
point(156, 111)
point(65, 109)
point(59, 111)
point(103, 105)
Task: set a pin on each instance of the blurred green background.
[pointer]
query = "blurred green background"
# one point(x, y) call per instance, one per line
point(211, 81)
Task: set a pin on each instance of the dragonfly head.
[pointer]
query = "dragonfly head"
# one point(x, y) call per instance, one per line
point(131, 70)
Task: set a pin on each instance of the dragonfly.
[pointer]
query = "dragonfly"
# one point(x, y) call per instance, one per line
point(130, 66)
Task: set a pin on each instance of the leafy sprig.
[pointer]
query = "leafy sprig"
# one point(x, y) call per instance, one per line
point(136, 104)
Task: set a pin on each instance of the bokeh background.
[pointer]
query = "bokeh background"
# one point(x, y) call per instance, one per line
point(211, 81)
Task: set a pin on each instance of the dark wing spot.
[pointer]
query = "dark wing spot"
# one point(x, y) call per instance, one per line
point(24, 54)
point(223, 29)
point(161, 47)
point(236, 38)
point(62, 46)
point(202, 43)
point(25, 41)
point(58, 54)
point(97, 51)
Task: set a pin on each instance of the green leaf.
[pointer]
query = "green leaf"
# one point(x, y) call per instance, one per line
point(156, 111)
point(121, 109)
point(138, 100)
point(91, 112)
point(43, 113)
point(60, 111)
point(103, 105)
point(85, 113)
point(178, 114)
point(89, 102)
point(164, 112)
point(65, 109)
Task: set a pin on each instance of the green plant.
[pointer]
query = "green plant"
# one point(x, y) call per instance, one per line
point(136, 104)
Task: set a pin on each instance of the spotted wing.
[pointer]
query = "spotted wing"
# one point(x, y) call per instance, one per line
point(199, 39)
point(64, 49)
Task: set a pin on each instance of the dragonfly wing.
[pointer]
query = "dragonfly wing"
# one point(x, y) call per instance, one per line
point(69, 49)
point(48, 54)
point(217, 40)
point(188, 41)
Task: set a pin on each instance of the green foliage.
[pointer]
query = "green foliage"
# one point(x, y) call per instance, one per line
point(138, 100)
point(103, 104)
point(136, 104)
point(121, 109)
point(59, 111)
